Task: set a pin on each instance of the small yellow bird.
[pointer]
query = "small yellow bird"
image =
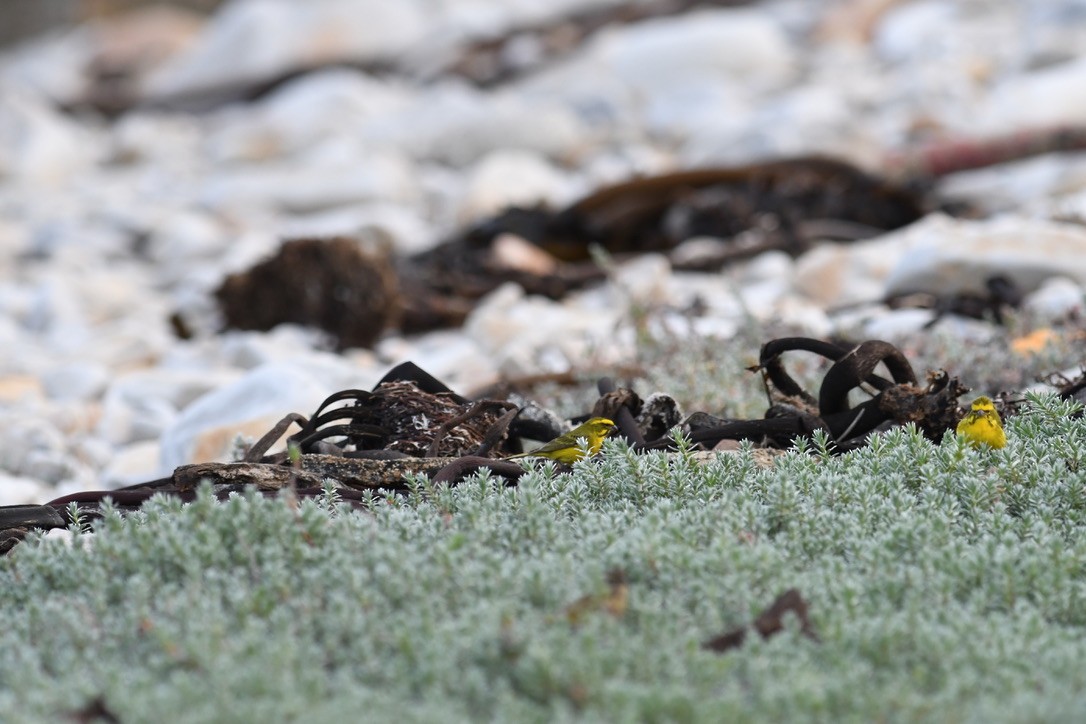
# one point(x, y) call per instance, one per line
point(982, 426)
point(564, 448)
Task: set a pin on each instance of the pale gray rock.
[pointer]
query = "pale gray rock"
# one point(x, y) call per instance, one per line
point(133, 419)
point(1032, 185)
point(329, 177)
point(285, 343)
point(176, 238)
point(35, 448)
point(833, 275)
point(19, 390)
point(894, 325)
point(51, 66)
point(911, 31)
point(702, 114)
point(39, 144)
point(455, 22)
point(944, 256)
point(511, 178)
point(523, 332)
point(304, 113)
point(397, 226)
point(760, 298)
point(646, 282)
point(75, 381)
point(1057, 298)
point(90, 449)
point(108, 226)
point(706, 326)
point(249, 407)
point(1020, 185)
point(965, 330)
point(154, 137)
point(1069, 208)
point(454, 124)
point(801, 314)
point(450, 356)
point(25, 435)
point(676, 75)
point(739, 45)
point(55, 311)
point(279, 36)
point(767, 266)
point(19, 490)
point(747, 132)
point(716, 293)
point(66, 64)
point(66, 231)
point(139, 406)
point(1043, 98)
point(697, 249)
point(97, 314)
point(137, 462)
point(331, 100)
point(504, 317)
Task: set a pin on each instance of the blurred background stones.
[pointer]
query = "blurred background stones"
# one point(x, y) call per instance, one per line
point(28, 18)
point(149, 152)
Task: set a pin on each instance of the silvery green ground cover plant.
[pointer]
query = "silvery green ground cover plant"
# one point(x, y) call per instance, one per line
point(945, 584)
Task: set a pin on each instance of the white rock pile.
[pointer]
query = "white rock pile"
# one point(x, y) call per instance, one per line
point(108, 225)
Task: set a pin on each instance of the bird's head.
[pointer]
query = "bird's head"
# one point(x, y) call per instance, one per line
point(599, 426)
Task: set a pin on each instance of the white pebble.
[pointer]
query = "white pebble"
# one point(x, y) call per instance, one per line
point(1057, 298)
point(19, 490)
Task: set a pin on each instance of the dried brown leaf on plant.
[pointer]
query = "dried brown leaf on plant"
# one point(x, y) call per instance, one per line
point(768, 623)
point(613, 602)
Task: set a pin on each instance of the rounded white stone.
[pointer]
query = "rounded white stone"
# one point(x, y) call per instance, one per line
point(19, 490)
point(511, 178)
point(943, 256)
point(279, 36)
point(249, 406)
point(1056, 298)
point(75, 381)
point(896, 324)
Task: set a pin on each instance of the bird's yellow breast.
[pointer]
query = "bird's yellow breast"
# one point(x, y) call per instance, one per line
point(982, 426)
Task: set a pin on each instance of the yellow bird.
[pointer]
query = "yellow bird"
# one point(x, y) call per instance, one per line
point(564, 448)
point(982, 426)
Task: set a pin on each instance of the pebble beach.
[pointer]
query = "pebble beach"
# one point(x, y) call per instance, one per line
point(145, 156)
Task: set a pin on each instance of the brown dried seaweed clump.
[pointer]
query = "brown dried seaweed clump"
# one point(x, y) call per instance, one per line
point(421, 423)
point(339, 285)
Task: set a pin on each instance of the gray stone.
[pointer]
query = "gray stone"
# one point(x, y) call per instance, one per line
point(75, 381)
point(249, 407)
point(279, 36)
point(1057, 298)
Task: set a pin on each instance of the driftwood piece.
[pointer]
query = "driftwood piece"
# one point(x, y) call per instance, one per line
point(313, 471)
point(352, 478)
point(37, 516)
